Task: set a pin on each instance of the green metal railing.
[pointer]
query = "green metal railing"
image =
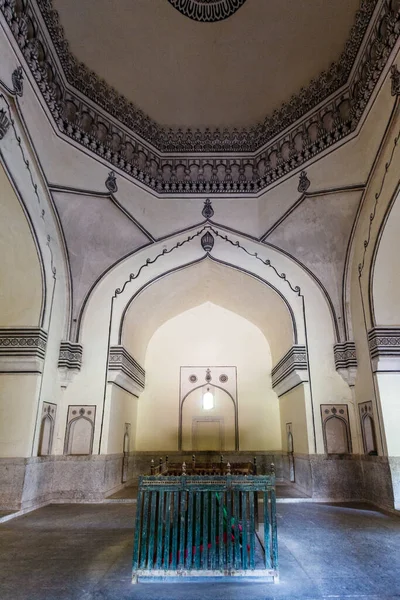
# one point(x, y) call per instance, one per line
point(205, 526)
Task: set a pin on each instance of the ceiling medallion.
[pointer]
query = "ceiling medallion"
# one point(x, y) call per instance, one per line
point(207, 11)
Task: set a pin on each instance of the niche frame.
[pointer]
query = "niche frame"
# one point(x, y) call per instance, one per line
point(340, 412)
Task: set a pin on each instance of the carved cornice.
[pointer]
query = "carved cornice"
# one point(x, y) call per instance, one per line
point(291, 370)
point(134, 143)
point(125, 371)
point(22, 349)
point(70, 356)
point(384, 348)
point(345, 355)
point(346, 361)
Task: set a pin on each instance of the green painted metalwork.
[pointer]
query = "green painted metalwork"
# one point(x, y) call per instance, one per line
point(204, 525)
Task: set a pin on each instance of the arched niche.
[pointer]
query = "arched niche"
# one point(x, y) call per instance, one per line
point(80, 430)
point(208, 280)
point(336, 429)
point(209, 429)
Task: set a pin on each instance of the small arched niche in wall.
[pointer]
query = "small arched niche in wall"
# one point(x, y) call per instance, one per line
point(214, 427)
point(80, 429)
point(336, 429)
point(47, 428)
point(368, 428)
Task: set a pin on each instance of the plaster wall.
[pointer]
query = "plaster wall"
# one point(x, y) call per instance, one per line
point(122, 409)
point(20, 275)
point(293, 410)
point(18, 407)
point(208, 335)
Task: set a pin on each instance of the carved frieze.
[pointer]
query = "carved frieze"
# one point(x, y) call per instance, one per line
point(125, 371)
point(291, 370)
point(4, 123)
point(22, 349)
point(346, 360)
point(206, 11)
point(384, 348)
point(69, 361)
point(152, 154)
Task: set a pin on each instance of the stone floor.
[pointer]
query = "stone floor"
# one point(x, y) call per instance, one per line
point(83, 552)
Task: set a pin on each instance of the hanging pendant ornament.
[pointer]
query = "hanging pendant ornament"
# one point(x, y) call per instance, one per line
point(208, 211)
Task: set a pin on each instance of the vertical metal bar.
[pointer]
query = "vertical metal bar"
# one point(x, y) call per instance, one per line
point(213, 530)
point(252, 529)
point(221, 545)
point(197, 531)
point(160, 524)
point(267, 538)
point(145, 526)
point(182, 530)
point(175, 528)
point(236, 515)
point(150, 558)
point(190, 525)
point(138, 527)
point(244, 525)
point(167, 529)
point(204, 560)
point(229, 528)
point(274, 531)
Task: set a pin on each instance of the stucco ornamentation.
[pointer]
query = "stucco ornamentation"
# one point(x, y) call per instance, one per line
point(207, 11)
point(384, 348)
point(22, 349)
point(17, 79)
point(152, 154)
point(4, 123)
point(395, 79)
point(291, 370)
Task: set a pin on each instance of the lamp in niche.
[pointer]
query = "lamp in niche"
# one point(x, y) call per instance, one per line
point(208, 398)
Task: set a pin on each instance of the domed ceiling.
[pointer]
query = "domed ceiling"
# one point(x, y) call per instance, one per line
point(230, 72)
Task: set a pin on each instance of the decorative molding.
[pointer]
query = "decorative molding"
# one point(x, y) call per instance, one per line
point(395, 79)
point(124, 371)
point(291, 370)
point(207, 11)
point(208, 211)
point(4, 123)
point(111, 183)
point(346, 361)
point(152, 155)
point(49, 411)
point(367, 420)
point(69, 361)
point(17, 79)
point(384, 348)
point(304, 183)
point(22, 349)
point(207, 242)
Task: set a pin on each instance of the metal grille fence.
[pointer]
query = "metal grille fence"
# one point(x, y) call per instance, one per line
point(205, 526)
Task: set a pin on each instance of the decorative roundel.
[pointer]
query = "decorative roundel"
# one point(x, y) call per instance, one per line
point(207, 11)
point(223, 378)
point(341, 411)
point(192, 378)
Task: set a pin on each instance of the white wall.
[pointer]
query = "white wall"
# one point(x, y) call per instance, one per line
point(208, 335)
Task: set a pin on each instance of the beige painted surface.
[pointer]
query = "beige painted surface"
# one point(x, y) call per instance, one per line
point(230, 73)
point(386, 282)
point(208, 281)
point(208, 335)
point(20, 277)
point(292, 408)
point(388, 385)
point(122, 409)
point(18, 407)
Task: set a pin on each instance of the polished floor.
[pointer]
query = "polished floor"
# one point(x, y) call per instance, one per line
point(83, 552)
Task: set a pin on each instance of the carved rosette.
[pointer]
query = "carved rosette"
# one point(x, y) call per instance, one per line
point(207, 11)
